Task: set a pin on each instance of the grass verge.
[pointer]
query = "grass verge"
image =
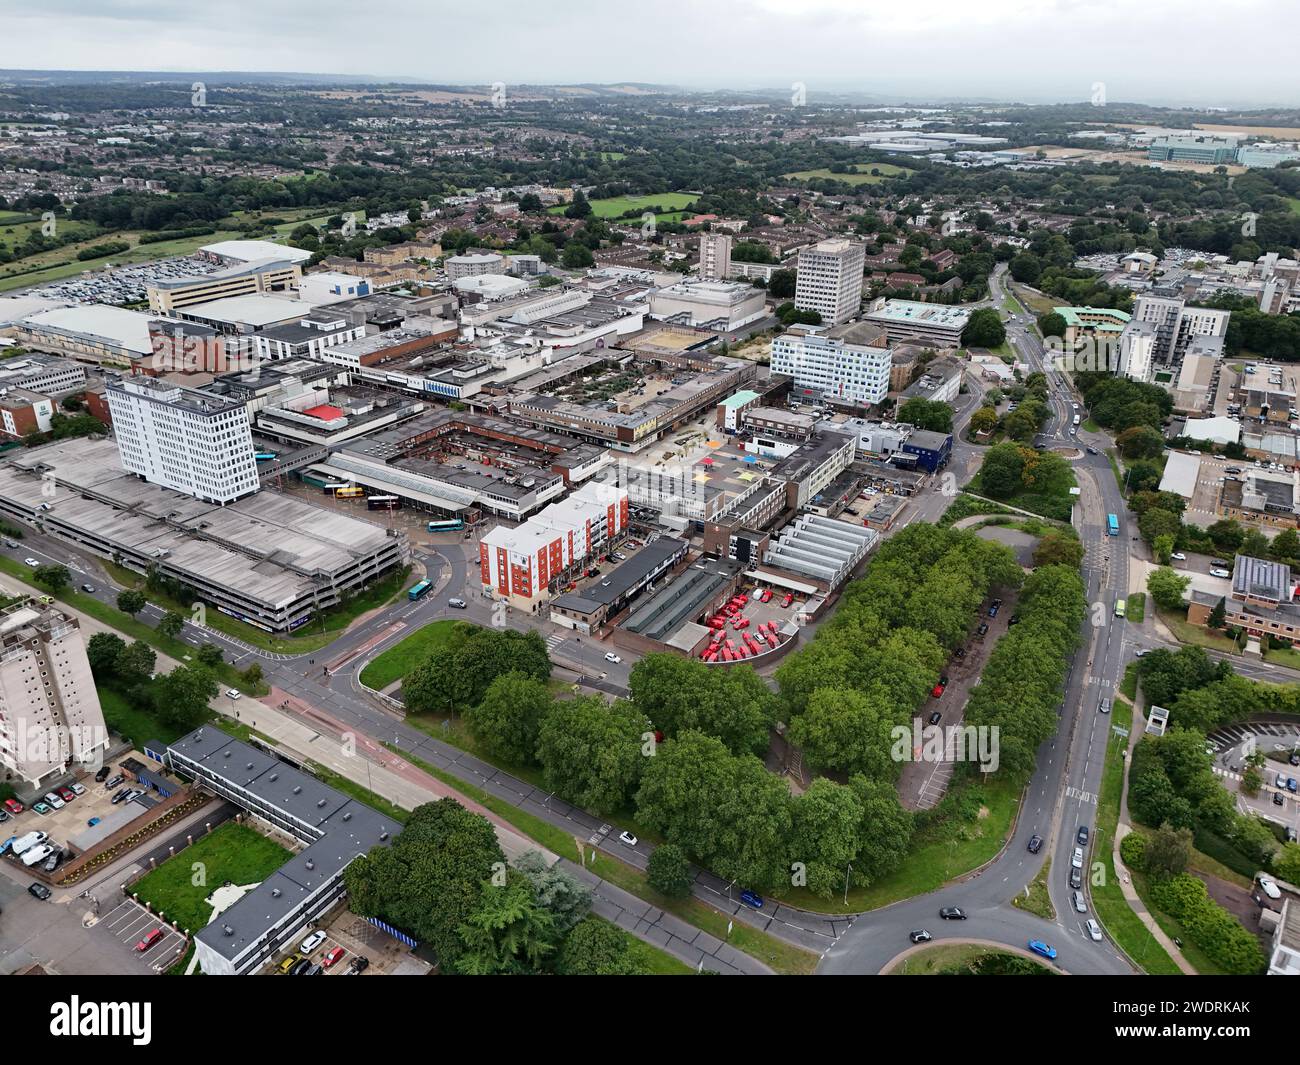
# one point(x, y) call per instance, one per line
point(405, 655)
point(1036, 899)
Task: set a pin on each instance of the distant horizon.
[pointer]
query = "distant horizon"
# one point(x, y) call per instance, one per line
point(832, 92)
point(1168, 53)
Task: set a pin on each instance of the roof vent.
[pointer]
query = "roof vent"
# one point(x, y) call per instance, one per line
point(383, 835)
point(297, 789)
point(320, 803)
point(275, 893)
point(311, 864)
point(225, 754)
point(347, 816)
point(274, 776)
point(226, 930)
point(249, 766)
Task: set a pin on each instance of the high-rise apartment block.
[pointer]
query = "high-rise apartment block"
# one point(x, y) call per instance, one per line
point(830, 280)
point(715, 256)
point(50, 715)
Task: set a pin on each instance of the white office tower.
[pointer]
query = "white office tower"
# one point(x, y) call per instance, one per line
point(715, 256)
point(179, 438)
point(50, 717)
point(1137, 344)
point(850, 364)
point(830, 280)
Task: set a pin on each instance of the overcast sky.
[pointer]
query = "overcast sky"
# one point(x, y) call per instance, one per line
point(1159, 51)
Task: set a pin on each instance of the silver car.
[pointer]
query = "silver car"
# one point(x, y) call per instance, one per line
point(1079, 905)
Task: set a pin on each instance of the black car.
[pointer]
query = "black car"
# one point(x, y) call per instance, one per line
point(1294, 759)
point(1092, 450)
point(953, 913)
point(936, 717)
point(1035, 844)
point(983, 630)
point(102, 774)
point(358, 966)
point(4, 816)
point(122, 794)
point(1014, 619)
point(1220, 564)
point(993, 610)
point(1076, 878)
point(300, 967)
point(89, 589)
point(40, 891)
point(1082, 836)
point(52, 862)
point(1277, 799)
point(959, 653)
point(920, 935)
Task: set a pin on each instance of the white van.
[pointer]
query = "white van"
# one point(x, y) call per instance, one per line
point(28, 841)
point(37, 854)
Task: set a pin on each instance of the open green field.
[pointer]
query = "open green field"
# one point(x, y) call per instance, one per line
point(863, 177)
point(617, 206)
point(231, 852)
point(405, 655)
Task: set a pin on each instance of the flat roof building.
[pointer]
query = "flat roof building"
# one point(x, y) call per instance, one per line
point(935, 323)
point(829, 280)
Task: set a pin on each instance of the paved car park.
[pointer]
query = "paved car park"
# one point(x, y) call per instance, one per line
point(356, 938)
point(127, 924)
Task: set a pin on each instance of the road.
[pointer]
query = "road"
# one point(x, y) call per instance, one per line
point(1062, 794)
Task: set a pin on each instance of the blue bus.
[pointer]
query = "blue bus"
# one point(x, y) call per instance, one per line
point(265, 456)
point(419, 590)
point(1112, 524)
point(450, 525)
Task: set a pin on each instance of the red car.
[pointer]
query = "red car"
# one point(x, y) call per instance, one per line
point(149, 940)
point(939, 688)
point(14, 806)
point(67, 794)
point(767, 595)
point(788, 599)
point(332, 958)
point(741, 599)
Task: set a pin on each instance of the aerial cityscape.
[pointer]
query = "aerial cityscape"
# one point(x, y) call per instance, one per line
point(467, 511)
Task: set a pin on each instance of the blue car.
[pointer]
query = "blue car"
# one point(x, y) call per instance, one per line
point(1290, 784)
point(4, 847)
point(92, 822)
point(1039, 947)
point(750, 898)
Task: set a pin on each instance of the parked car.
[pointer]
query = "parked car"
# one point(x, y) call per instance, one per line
point(66, 794)
point(1039, 947)
point(234, 693)
point(13, 806)
point(1081, 837)
point(1103, 707)
point(983, 630)
point(1035, 844)
point(332, 958)
point(92, 822)
point(5, 815)
point(77, 789)
point(610, 656)
point(53, 800)
point(52, 862)
point(628, 838)
point(31, 562)
point(120, 796)
point(36, 854)
point(920, 935)
point(300, 967)
point(1178, 556)
point(1291, 784)
point(941, 686)
point(952, 913)
point(1094, 930)
point(39, 890)
point(1077, 859)
point(1278, 800)
point(1216, 572)
point(313, 940)
point(787, 599)
point(1079, 905)
point(42, 808)
point(1269, 888)
point(1076, 878)
point(109, 785)
point(358, 966)
point(288, 963)
point(752, 899)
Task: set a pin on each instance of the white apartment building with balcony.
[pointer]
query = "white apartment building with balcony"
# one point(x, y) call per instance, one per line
point(50, 716)
point(183, 439)
point(829, 280)
point(715, 256)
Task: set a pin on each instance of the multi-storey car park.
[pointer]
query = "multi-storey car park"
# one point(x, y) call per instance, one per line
point(270, 560)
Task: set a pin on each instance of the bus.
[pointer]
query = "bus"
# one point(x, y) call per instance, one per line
point(1112, 524)
point(349, 492)
point(1120, 608)
point(265, 456)
point(449, 525)
point(383, 502)
point(418, 590)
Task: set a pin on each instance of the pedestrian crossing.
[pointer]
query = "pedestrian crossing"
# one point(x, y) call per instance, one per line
point(1227, 774)
point(553, 641)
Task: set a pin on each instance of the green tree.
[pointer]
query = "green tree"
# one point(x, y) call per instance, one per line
point(1163, 548)
point(171, 624)
point(596, 948)
point(1167, 587)
point(507, 721)
point(1286, 863)
point(509, 933)
point(1000, 476)
point(824, 842)
point(53, 577)
point(1219, 614)
point(669, 871)
point(558, 891)
point(591, 751)
point(932, 415)
point(847, 731)
point(130, 601)
point(183, 696)
point(136, 663)
point(1140, 442)
point(1052, 324)
point(210, 655)
point(1056, 548)
point(984, 420)
point(103, 650)
point(1286, 546)
point(252, 676)
point(1168, 851)
point(430, 880)
point(984, 329)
